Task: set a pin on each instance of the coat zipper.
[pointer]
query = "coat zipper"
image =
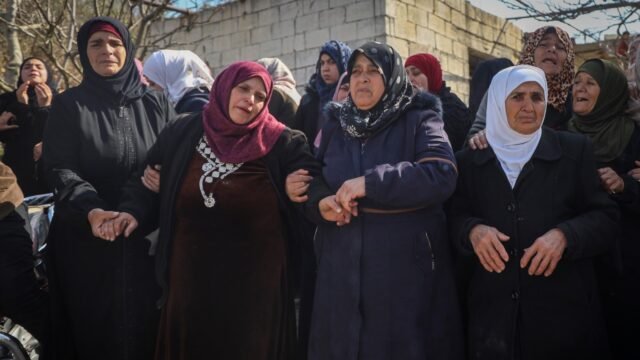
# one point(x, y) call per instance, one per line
point(433, 255)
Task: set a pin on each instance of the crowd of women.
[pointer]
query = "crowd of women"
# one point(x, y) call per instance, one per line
point(375, 217)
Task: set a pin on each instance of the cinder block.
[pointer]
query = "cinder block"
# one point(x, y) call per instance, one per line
point(437, 24)
point(316, 38)
point(230, 56)
point(250, 52)
point(240, 39)
point(268, 16)
point(311, 6)
point(257, 5)
point(336, 3)
point(282, 29)
point(344, 32)
point(365, 29)
point(330, 17)
point(287, 45)
point(417, 16)
point(425, 36)
point(443, 10)
point(306, 23)
point(261, 34)
point(247, 22)
point(289, 10)
point(222, 42)
point(359, 11)
point(444, 44)
point(307, 57)
point(425, 5)
point(271, 48)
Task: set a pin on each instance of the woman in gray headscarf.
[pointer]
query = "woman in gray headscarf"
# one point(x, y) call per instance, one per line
point(285, 98)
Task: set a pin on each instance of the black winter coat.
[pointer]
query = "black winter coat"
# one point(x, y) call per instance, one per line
point(456, 116)
point(513, 315)
point(19, 142)
point(173, 150)
point(308, 115)
point(283, 108)
point(103, 293)
point(193, 101)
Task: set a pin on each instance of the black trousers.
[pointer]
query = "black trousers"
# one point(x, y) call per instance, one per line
point(21, 298)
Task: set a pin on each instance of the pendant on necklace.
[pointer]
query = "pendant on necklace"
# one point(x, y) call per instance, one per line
point(209, 201)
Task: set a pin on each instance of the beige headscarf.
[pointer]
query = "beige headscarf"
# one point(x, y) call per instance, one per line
point(10, 194)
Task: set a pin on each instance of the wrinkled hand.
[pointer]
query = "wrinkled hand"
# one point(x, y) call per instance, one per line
point(5, 117)
point(297, 184)
point(98, 218)
point(151, 178)
point(610, 180)
point(635, 172)
point(123, 224)
point(487, 244)
point(478, 141)
point(331, 210)
point(43, 94)
point(545, 253)
point(21, 93)
point(348, 193)
point(37, 151)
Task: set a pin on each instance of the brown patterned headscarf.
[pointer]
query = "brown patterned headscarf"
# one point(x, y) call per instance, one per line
point(560, 84)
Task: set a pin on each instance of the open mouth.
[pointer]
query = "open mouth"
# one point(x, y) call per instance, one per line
point(550, 61)
point(246, 111)
point(581, 99)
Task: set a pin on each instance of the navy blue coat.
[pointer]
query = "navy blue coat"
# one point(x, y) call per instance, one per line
point(385, 287)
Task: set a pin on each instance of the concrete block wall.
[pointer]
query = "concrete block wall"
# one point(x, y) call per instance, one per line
point(291, 30)
point(294, 30)
point(448, 29)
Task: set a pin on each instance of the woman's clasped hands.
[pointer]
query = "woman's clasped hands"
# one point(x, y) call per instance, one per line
point(108, 225)
point(339, 208)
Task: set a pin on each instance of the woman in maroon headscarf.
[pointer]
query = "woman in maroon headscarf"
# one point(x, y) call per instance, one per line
point(425, 73)
point(222, 252)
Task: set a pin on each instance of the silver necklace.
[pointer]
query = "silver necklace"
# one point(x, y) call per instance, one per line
point(212, 169)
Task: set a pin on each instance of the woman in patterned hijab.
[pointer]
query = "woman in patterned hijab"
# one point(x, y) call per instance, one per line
point(388, 168)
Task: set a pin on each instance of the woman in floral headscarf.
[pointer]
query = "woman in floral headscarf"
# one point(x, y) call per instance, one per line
point(550, 48)
point(332, 62)
point(223, 252)
point(385, 286)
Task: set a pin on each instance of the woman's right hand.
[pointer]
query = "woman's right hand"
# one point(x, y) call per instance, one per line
point(487, 244)
point(21, 93)
point(297, 184)
point(332, 211)
point(151, 178)
point(98, 218)
point(4, 121)
point(478, 141)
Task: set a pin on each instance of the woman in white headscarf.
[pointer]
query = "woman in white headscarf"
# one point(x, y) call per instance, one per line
point(182, 75)
point(285, 99)
point(531, 214)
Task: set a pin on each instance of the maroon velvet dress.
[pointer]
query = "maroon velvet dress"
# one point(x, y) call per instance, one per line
point(228, 293)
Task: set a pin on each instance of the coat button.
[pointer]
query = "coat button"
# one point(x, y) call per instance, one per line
point(511, 207)
point(515, 295)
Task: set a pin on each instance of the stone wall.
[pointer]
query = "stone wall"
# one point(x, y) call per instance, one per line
point(295, 30)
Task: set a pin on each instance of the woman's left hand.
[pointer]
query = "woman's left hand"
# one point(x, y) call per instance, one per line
point(37, 151)
point(350, 191)
point(43, 94)
point(545, 253)
point(21, 93)
point(635, 172)
point(610, 180)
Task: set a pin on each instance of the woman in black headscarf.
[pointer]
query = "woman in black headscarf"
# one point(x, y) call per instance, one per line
point(481, 79)
point(384, 282)
point(103, 293)
point(23, 114)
